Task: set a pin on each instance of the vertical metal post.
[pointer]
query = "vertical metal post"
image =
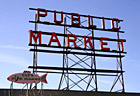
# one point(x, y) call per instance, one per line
point(27, 90)
point(41, 88)
point(11, 88)
point(35, 64)
point(119, 65)
point(94, 60)
point(93, 63)
point(67, 75)
point(35, 55)
point(65, 59)
point(120, 60)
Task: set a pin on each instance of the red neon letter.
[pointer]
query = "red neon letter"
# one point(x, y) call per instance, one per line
point(103, 23)
point(113, 27)
point(104, 43)
point(41, 15)
point(88, 41)
point(75, 19)
point(55, 17)
point(122, 40)
point(71, 40)
point(35, 38)
point(54, 40)
point(91, 26)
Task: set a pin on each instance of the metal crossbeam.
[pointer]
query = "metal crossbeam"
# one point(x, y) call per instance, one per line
point(77, 69)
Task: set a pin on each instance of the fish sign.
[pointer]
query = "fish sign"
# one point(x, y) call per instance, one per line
point(27, 77)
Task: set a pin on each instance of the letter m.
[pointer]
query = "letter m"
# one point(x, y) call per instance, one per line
point(32, 36)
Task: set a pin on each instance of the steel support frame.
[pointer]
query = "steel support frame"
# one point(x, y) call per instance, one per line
point(34, 58)
point(65, 75)
point(92, 76)
point(119, 77)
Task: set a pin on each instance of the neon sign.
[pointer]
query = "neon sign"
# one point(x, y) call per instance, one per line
point(27, 77)
point(76, 17)
point(54, 38)
point(72, 43)
point(71, 39)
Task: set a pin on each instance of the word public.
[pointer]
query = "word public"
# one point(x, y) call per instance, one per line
point(76, 17)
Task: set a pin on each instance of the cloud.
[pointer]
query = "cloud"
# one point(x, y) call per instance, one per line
point(14, 60)
point(14, 47)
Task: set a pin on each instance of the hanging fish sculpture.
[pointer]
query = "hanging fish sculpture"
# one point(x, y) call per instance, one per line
point(27, 77)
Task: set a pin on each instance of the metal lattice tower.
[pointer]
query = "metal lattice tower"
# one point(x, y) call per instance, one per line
point(79, 67)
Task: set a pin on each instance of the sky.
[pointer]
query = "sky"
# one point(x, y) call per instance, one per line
point(15, 15)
